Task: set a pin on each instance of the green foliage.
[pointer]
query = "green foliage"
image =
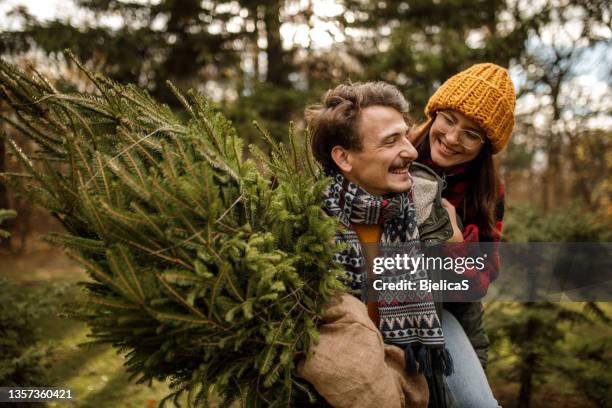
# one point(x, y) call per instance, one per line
point(544, 343)
point(589, 368)
point(269, 105)
point(22, 355)
point(416, 45)
point(5, 215)
point(206, 269)
point(539, 342)
point(188, 42)
point(527, 223)
point(156, 42)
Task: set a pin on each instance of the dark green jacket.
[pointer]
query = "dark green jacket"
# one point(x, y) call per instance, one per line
point(435, 229)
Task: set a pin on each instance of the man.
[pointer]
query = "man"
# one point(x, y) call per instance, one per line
point(359, 135)
point(364, 137)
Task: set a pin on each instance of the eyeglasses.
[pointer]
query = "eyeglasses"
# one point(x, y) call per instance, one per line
point(469, 139)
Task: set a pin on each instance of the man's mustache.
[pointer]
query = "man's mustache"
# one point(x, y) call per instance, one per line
point(400, 164)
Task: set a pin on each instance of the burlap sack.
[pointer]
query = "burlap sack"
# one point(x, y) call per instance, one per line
point(352, 367)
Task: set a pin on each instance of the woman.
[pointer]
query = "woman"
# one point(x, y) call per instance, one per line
point(470, 118)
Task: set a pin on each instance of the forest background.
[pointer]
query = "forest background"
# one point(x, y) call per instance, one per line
point(265, 61)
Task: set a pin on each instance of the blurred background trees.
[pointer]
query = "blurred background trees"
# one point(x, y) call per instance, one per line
point(267, 60)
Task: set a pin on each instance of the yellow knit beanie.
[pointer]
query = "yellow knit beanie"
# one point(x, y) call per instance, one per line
point(483, 93)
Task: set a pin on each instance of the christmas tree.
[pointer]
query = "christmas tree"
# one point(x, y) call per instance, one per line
point(208, 265)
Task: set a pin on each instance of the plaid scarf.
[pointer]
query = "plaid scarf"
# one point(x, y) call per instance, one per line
point(407, 318)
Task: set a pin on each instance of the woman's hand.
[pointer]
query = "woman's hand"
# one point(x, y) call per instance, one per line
point(452, 213)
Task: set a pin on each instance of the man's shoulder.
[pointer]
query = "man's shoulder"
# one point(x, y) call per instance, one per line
point(432, 219)
point(426, 190)
point(423, 170)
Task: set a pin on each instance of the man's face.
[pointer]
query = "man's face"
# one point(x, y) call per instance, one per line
point(381, 166)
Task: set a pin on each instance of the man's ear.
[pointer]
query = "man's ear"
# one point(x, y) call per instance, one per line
point(341, 157)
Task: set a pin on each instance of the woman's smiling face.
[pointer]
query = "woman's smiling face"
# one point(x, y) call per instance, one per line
point(454, 139)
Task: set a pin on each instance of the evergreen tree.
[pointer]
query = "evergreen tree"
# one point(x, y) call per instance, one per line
point(233, 47)
point(545, 338)
point(206, 267)
point(152, 43)
point(416, 45)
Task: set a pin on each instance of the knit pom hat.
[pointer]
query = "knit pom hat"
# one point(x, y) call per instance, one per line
point(483, 93)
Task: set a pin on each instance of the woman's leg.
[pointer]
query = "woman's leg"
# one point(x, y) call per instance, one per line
point(468, 384)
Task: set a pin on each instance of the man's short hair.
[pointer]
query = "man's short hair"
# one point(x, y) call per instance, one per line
point(335, 121)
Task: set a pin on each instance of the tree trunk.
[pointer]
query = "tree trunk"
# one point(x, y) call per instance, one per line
point(580, 186)
point(277, 65)
point(528, 364)
point(552, 189)
point(4, 201)
point(526, 379)
point(544, 196)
